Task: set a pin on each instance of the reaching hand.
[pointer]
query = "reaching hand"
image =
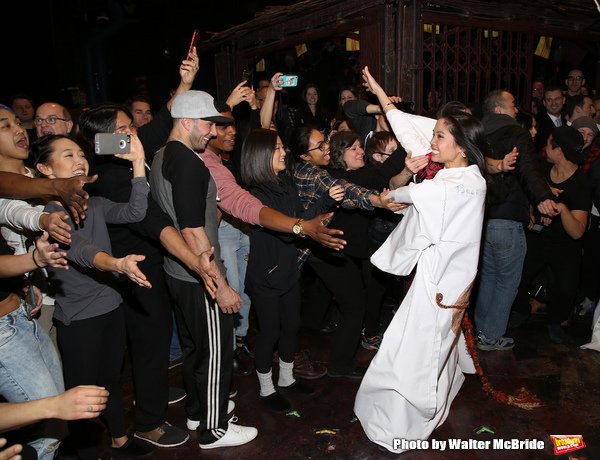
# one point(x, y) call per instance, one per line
point(556, 191)
point(415, 164)
point(10, 453)
point(54, 223)
point(548, 208)
point(72, 194)
point(386, 201)
point(239, 94)
point(47, 253)
point(509, 160)
point(316, 229)
point(276, 81)
point(337, 192)
point(81, 402)
point(128, 266)
point(369, 82)
point(189, 68)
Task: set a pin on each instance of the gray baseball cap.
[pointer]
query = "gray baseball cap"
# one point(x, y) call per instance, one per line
point(197, 105)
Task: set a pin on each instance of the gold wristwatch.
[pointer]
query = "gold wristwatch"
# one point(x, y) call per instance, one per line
point(297, 229)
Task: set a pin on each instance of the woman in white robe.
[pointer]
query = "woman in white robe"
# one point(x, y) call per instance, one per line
point(410, 384)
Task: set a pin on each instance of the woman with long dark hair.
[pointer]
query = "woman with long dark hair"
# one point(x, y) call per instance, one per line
point(411, 382)
point(273, 276)
point(89, 316)
point(311, 111)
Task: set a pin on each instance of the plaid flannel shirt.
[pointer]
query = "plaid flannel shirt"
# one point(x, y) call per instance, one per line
point(312, 182)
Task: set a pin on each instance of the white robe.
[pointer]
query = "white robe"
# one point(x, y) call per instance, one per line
point(418, 370)
point(595, 342)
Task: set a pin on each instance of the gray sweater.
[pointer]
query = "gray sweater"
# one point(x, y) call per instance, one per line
point(83, 291)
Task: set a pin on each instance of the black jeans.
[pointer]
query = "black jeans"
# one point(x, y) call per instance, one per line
point(343, 277)
point(149, 325)
point(92, 352)
point(565, 263)
point(278, 320)
point(206, 335)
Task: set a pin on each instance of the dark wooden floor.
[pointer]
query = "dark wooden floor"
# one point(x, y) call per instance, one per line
point(565, 377)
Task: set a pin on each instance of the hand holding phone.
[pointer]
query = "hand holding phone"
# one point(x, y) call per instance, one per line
point(193, 42)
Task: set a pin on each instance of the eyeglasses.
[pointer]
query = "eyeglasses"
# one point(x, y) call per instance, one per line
point(50, 120)
point(320, 146)
point(382, 153)
point(578, 78)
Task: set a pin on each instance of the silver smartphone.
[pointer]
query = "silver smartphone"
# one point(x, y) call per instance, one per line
point(109, 143)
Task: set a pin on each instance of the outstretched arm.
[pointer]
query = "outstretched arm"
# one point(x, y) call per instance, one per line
point(81, 402)
point(70, 191)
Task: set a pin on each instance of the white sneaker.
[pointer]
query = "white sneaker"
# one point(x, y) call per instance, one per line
point(236, 436)
point(193, 424)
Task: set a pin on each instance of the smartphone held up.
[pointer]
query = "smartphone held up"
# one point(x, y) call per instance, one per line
point(109, 143)
point(289, 81)
point(193, 42)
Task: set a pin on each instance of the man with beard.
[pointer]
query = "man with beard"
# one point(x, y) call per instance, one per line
point(184, 188)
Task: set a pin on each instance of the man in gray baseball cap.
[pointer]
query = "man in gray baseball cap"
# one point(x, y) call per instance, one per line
point(197, 105)
point(183, 187)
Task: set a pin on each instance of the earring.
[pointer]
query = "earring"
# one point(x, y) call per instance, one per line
point(463, 154)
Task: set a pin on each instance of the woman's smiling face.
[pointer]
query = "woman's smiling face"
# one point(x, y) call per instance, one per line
point(67, 160)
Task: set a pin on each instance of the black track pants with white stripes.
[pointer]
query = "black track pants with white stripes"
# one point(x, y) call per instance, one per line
point(206, 335)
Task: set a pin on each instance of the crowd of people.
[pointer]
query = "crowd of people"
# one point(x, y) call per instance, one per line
point(223, 209)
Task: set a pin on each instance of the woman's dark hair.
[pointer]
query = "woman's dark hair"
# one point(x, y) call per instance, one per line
point(452, 108)
point(257, 157)
point(352, 89)
point(307, 87)
point(468, 134)
point(340, 115)
point(525, 119)
point(378, 142)
point(300, 141)
point(338, 144)
point(42, 148)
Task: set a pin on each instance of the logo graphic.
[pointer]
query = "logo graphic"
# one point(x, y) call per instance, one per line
point(567, 443)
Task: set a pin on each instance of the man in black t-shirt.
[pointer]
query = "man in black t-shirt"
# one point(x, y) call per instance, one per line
point(184, 189)
point(559, 244)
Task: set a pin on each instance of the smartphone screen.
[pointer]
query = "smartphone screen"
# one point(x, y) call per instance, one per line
point(193, 42)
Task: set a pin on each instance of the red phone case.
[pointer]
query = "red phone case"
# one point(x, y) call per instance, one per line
point(193, 42)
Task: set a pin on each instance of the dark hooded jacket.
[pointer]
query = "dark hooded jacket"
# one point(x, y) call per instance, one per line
point(510, 193)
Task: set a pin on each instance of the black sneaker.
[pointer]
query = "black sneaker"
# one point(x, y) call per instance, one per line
point(165, 435)
point(176, 395)
point(276, 402)
point(243, 347)
point(300, 387)
point(356, 372)
point(134, 448)
point(239, 367)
